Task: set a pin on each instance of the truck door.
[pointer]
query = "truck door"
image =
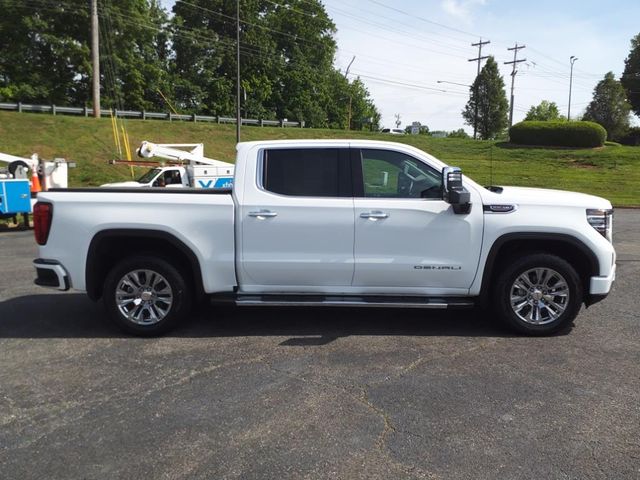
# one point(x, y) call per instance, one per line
point(407, 239)
point(297, 221)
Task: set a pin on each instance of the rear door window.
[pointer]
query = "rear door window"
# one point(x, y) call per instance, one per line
point(307, 172)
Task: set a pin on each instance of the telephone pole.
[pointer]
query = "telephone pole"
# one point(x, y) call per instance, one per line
point(514, 62)
point(479, 60)
point(238, 115)
point(95, 58)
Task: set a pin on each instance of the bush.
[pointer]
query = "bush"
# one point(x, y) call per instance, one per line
point(460, 133)
point(558, 134)
point(632, 137)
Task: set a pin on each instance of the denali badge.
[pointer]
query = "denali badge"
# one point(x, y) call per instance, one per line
point(499, 208)
point(437, 267)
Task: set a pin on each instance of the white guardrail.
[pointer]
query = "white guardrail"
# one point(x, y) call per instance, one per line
point(144, 115)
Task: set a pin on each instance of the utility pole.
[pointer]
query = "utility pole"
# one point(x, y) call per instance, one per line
point(479, 60)
point(514, 62)
point(95, 58)
point(572, 59)
point(238, 115)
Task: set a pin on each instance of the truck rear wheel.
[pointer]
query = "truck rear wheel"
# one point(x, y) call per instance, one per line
point(538, 294)
point(146, 296)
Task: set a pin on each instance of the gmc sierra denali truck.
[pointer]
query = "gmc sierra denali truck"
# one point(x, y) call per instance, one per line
point(330, 223)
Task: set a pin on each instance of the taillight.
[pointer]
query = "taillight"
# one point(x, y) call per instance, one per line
point(42, 215)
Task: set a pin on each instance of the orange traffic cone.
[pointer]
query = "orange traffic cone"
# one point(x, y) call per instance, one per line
point(35, 182)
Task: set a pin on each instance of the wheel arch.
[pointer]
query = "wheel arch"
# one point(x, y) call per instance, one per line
point(565, 246)
point(111, 245)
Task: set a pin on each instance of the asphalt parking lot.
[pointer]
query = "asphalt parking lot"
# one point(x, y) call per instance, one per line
point(316, 393)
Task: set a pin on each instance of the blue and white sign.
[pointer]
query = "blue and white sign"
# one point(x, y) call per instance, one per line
point(224, 182)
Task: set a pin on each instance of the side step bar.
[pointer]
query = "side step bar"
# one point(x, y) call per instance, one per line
point(352, 301)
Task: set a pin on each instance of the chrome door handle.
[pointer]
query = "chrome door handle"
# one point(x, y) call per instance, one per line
point(263, 214)
point(375, 214)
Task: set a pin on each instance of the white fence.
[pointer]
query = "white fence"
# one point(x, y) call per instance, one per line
point(144, 115)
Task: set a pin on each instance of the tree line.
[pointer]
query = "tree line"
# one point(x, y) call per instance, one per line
point(184, 60)
point(613, 101)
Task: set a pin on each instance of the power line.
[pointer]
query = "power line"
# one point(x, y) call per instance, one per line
point(402, 32)
point(417, 17)
point(406, 84)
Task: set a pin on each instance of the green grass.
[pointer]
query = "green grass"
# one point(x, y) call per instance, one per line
point(612, 172)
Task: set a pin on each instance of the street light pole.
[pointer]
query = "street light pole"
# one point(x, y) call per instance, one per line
point(572, 60)
point(350, 96)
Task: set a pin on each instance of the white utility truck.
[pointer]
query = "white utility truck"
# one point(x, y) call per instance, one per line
point(188, 168)
point(18, 176)
point(330, 223)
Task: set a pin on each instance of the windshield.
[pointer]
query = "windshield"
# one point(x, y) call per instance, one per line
point(150, 175)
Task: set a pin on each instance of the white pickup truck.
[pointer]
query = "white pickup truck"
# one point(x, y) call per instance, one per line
point(330, 223)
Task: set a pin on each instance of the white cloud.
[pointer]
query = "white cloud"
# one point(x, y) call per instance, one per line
point(461, 9)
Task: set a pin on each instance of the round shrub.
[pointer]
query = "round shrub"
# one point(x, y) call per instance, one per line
point(558, 134)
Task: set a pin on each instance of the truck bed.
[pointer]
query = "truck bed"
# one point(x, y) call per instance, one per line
point(202, 219)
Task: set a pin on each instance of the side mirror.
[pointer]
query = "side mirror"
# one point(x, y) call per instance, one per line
point(454, 191)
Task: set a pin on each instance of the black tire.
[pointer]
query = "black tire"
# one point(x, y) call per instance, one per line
point(505, 286)
point(175, 312)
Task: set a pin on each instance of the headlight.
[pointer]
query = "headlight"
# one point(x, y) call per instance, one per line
point(602, 221)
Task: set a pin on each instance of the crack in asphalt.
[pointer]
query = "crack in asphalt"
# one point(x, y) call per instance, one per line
point(380, 444)
point(388, 426)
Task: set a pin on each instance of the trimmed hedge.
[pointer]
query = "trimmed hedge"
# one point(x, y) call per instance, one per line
point(558, 134)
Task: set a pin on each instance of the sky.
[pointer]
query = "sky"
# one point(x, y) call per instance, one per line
point(402, 49)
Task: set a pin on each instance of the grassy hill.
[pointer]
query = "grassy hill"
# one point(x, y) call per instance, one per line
point(611, 172)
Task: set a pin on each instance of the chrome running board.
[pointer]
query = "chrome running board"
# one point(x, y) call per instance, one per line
point(351, 301)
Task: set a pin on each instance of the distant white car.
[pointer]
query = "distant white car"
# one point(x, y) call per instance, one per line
point(393, 131)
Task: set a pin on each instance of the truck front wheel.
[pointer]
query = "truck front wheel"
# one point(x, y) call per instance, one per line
point(146, 296)
point(538, 294)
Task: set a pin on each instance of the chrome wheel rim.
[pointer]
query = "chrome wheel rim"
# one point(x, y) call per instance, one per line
point(539, 296)
point(144, 297)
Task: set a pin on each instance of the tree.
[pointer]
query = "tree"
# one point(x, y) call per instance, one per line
point(363, 111)
point(546, 111)
point(609, 107)
point(488, 95)
point(188, 62)
point(134, 54)
point(46, 54)
point(631, 76)
point(287, 50)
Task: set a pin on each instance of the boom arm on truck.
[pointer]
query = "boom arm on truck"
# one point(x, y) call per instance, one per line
point(174, 152)
point(185, 166)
